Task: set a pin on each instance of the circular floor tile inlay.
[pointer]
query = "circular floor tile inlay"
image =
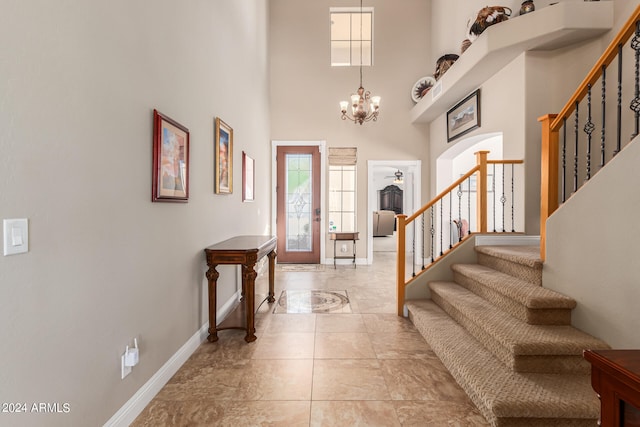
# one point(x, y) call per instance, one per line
point(311, 301)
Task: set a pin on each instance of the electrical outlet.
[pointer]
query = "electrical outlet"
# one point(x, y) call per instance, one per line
point(125, 370)
point(343, 248)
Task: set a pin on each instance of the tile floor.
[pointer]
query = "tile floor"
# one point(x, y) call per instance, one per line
point(367, 368)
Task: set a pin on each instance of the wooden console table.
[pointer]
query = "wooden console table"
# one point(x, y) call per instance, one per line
point(340, 236)
point(245, 251)
point(615, 376)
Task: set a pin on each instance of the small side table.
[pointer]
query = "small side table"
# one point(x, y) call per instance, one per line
point(245, 251)
point(615, 376)
point(336, 237)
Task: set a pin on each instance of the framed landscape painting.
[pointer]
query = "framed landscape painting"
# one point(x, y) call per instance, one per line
point(464, 116)
point(170, 181)
point(223, 147)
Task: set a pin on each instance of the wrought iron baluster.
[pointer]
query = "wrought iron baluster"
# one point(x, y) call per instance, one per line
point(441, 228)
point(469, 202)
point(503, 198)
point(422, 234)
point(604, 115)
point(459, 194)
point(575, 152)
point(450, 219)
point(493, 188)
point(589, 127)
point(635, 103)
point(564, 159)
point(433, 236)
point(413, 250)
point(513, 221)
point(619, 136)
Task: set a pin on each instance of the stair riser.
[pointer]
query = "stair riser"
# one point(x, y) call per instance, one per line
point(554, 316)
point(526, 273)
point(549, 364)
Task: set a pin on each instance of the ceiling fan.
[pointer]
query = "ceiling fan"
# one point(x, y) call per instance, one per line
point(398, 177)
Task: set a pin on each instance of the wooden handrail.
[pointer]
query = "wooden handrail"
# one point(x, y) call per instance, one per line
point(403, 221)
point(607, 58)
point(442, 194)
point(552, 123)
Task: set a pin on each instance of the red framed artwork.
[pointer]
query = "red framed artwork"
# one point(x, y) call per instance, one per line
point(170, 160)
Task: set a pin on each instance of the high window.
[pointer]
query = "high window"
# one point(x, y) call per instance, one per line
point(351, 36)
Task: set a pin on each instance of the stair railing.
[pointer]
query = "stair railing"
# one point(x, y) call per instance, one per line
point(480, 201)
point(568, 137)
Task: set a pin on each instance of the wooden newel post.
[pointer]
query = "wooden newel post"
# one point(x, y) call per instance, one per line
point(548, 176)
point(400, 261)
point(481, 191)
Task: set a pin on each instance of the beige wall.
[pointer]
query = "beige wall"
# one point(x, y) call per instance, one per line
point(597, 268)
point(306, 90)
point(78, 83)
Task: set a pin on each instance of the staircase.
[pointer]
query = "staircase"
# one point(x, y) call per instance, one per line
point(509, 342)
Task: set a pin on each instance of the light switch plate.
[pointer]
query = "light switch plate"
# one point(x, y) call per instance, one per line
point(15, 236)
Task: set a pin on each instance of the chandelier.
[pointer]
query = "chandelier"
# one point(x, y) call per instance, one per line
point(364, 107)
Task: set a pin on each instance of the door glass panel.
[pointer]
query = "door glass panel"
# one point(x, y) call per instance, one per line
point(299, 206)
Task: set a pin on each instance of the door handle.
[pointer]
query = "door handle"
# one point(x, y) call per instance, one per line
point(317, 211)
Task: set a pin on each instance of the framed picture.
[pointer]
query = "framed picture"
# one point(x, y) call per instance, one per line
point(248, 177)
point(170, 160)
point(464, 117)
point(223, 169)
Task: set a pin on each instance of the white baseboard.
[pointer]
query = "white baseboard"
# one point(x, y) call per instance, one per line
point(506, 239)
point(134, 406)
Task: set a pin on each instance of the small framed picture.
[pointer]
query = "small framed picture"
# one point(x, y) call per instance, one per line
point(223, 169)
point(170, 182)
point(464, 117)
point(248, 177)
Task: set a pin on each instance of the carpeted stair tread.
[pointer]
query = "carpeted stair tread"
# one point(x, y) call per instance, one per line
point(520, 346)
point(525, 255)
point(522, 262)
point(504, 397)
point(513, 288)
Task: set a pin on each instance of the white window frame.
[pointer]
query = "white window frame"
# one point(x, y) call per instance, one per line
point(340, 209)
point(352, 11)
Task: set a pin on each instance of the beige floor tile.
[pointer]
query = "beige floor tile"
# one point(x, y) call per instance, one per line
point(353, 413)
point(340, 323)
point(420, 379)
point(403, 345)
point(348, 379)
point(255, 380)
point(225, 414)
point(387, 323)
point(291, 323)
point(438, 413)
point(291, 345)
point(369, 368)
point(338, 345)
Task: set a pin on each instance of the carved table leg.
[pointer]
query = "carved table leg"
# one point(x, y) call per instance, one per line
point(212, 276)
point(248, 283)
point(272, 262)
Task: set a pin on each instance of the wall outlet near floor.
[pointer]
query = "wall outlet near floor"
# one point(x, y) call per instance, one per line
point(129, 359)
point(343, 248)
point(124, 369)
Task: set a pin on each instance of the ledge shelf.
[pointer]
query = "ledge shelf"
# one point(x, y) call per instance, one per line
point(548, 28)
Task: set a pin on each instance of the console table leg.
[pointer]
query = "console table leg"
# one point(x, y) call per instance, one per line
point(249, 282)
point(212, 277)
point(272, 275)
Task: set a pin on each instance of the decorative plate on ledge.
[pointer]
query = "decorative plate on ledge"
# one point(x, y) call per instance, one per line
point(421, 87)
